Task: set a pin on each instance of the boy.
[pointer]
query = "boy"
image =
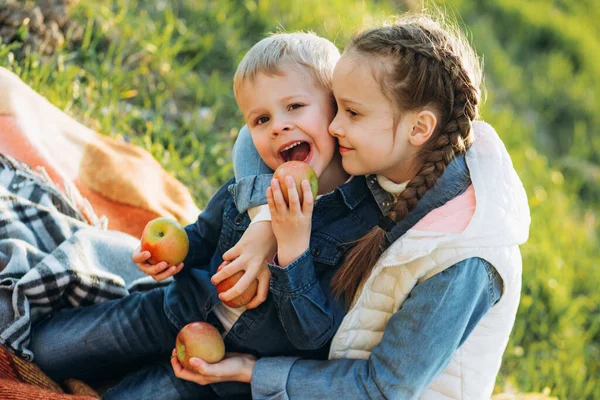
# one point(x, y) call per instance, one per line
point(283, 88)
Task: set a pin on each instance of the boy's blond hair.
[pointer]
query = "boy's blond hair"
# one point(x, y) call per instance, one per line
point(307, 51)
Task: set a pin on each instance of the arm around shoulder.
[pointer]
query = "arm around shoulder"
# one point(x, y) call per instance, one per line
point(418, 342)
point(252, 175)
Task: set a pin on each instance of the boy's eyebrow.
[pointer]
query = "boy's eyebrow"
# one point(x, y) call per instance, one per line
point(252, 112)
point(292, 96)
point(283, 100)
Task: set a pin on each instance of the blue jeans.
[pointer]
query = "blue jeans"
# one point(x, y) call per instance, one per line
point(108, 340)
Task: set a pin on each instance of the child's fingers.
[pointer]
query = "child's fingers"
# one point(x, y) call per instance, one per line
point(232, 253)
point(167, 273)
point(263, 290)
point(229, 269)
point(307, 201)
point(292, 194)
point(178, 369)
point(140, 256)
point(153, 269)
point(278, 199)
point(271, 201)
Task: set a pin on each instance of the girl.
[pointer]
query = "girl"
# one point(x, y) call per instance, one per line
point(432, 292)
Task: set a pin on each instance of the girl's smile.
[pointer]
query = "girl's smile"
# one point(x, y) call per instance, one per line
point(370, 140)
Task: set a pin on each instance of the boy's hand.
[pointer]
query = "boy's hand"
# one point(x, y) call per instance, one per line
point(249, 255)
point(158, 272)
point(291, 224)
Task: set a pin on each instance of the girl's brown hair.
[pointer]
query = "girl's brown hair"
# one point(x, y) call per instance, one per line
point(419, 64)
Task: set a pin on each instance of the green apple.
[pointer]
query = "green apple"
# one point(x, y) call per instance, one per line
point(166, 240)
point(200, 340)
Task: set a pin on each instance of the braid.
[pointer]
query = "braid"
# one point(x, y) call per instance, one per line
point(429, 68)
point(455, 136)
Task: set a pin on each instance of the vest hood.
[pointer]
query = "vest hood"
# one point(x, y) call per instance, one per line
point(503, 219)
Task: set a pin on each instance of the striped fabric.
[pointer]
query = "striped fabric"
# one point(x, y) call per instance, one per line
point(51, 259)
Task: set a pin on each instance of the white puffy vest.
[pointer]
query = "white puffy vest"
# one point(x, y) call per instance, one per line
point(499, 224)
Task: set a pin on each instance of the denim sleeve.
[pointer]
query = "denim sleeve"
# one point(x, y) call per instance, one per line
point(246, 160)
point(253, 176)
point(204, 234)
point(307, 309)
point(417, 344)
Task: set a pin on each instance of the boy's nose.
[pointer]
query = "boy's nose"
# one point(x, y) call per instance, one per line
point(281, 126)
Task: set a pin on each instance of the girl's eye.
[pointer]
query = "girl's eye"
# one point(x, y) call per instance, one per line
point(352, 113)
point(261, 120)
point(294, 106)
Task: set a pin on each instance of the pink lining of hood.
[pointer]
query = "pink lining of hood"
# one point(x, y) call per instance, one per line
point(452, 217)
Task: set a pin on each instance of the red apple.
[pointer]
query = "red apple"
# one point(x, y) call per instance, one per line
point(200, 340)
point(228, 283)
point(299, 171)
point(166, 240)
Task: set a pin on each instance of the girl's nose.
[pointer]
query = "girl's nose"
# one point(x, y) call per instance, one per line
point(334, 128)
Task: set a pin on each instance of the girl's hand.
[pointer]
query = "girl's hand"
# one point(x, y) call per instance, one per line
point(291, 224)
point(234, 367)
point(158, 272)
point(249, 255)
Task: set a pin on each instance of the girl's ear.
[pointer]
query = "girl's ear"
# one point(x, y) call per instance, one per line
point(424, 124)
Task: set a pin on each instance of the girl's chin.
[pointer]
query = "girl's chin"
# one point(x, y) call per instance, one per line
point(350, 168)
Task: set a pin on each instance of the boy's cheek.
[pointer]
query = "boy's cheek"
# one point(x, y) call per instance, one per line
point(268, 156)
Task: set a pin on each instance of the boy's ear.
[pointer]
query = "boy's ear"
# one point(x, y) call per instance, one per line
point(423, 126)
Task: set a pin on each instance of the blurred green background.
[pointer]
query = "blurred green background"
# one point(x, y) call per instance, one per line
point(159, 73)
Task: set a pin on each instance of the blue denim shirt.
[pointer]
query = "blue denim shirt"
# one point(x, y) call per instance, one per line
point(300, 314)
point(468, 289)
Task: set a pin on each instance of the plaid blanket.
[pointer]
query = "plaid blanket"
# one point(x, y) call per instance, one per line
point(51, 258)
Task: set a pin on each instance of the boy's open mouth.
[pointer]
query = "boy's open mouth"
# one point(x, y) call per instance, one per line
point(295, 151)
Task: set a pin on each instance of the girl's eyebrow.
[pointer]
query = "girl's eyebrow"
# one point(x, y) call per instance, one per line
point(349, 101)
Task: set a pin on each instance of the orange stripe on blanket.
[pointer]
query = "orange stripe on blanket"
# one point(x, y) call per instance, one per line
point(452, 217)
point(14, 143)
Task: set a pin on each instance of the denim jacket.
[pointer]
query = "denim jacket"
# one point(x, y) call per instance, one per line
point(468, 289)
point(300, 314)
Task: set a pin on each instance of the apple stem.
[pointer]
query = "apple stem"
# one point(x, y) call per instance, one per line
point(177, 354)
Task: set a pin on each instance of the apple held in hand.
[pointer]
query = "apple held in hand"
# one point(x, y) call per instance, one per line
point(299, 171)
point(166, 240)
point(200, 340)
point(228, 283)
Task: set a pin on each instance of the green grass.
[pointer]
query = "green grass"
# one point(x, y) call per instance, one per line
point(160, 76)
